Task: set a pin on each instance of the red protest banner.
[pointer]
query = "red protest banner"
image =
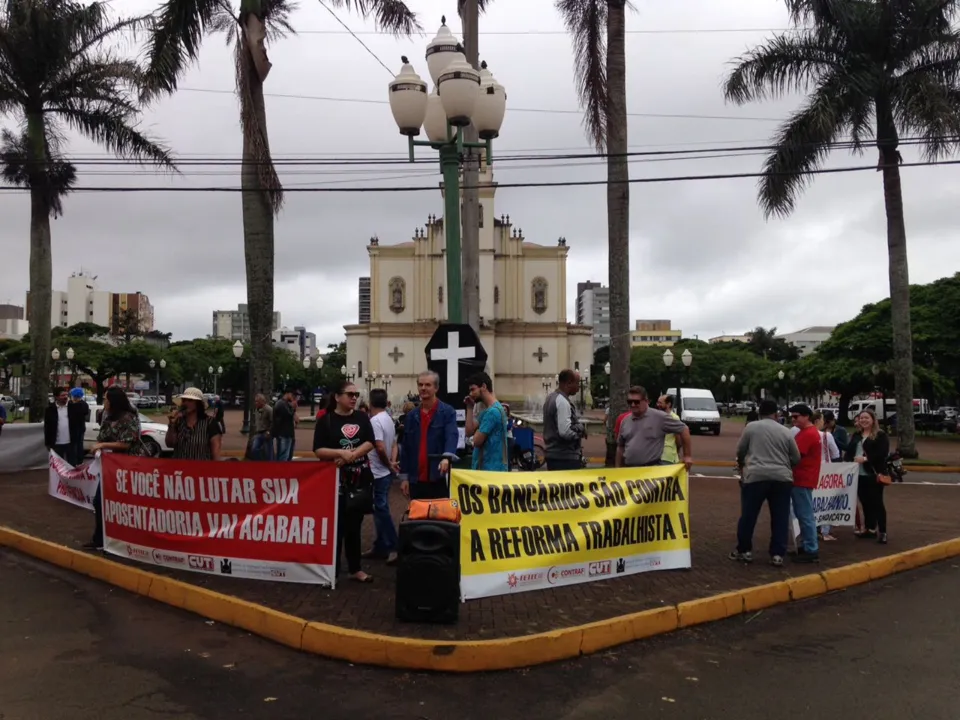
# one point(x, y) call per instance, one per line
point(268, 521)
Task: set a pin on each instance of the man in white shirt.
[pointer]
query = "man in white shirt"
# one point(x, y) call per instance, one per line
point(383, 463)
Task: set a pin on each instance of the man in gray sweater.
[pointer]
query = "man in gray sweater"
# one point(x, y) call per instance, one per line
point(766, 455)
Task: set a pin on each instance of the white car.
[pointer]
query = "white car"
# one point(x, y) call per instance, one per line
point(153, 434)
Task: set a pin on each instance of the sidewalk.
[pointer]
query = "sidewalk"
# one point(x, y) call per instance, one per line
point(918, 516)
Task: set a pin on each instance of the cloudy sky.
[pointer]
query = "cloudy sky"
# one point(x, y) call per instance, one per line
point(701, 252)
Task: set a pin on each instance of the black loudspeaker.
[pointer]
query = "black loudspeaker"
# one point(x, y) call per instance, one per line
point(428, 572)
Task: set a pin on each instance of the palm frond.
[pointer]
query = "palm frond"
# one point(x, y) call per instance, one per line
point(787, 63)
point(59, 175)
point(802, 144)
point(175, 39)
point(586, 21)
point(391, 15)
point(111, 126)
point(928, 108)
point(276, 18)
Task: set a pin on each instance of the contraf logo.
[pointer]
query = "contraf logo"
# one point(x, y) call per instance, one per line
point(556, 574)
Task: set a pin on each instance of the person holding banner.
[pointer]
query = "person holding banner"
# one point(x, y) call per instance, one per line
point(869, 447)
point(767, 455)
point(119, 433)
point(344, 436)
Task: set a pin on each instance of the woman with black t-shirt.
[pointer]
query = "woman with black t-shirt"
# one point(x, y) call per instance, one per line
point(344, 436)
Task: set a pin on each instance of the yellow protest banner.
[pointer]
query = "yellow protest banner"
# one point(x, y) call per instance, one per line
point(538, 530)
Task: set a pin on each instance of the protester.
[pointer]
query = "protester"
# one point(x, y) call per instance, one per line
point(429, 432)
point(345, 437)
point(284, 425)
point(3, 417)
point(217, 407)
point(119, 433)
point(670, 455)
point(383, 464)
point(563, 432)
point(869, 447)
point(767, 455)
point(192, 433)
point(489, 434)
point(642, 435)
point(806, 477)
point(261, 446)
point(64, 424)
point(840, 436)
point(76, 398)
point(829, 453)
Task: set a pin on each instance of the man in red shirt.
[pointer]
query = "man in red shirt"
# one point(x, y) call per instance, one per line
point(806, 476)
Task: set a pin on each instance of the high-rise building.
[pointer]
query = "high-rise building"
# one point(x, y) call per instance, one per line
point(593, 309)
point(235, 324)
point(650, 333)
point(12, 324)
point(808, 339)
point(364, 318)
point(298, 341)
point(84, 301)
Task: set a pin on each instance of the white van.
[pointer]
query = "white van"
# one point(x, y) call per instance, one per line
point(698, 409)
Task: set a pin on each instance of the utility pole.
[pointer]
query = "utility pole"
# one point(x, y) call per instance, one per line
point(470, 17)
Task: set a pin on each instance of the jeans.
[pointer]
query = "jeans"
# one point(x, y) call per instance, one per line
point(776, 493)
point(387, 540)
point(97, 539)
point(803, 509)
point(284, 448)
point(870, 493)
point(563, 464)
point(262, 447)
point(348, 536)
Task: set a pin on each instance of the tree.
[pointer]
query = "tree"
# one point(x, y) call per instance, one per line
point(127, 325)
point(59, 70)
point(178, 31)
point(873, 70)
point(766, 344)
point(598, 29)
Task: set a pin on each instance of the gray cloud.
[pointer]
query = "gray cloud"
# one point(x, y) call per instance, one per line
point(701, 252)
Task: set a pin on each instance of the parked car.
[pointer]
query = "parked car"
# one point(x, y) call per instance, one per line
point(8, 402)
point(153, 434)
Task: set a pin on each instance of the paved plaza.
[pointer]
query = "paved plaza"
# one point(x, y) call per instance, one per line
point(918, 515)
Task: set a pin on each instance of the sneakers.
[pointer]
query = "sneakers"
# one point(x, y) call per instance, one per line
point(737, 556)
point(776, 561)
point(882, 538)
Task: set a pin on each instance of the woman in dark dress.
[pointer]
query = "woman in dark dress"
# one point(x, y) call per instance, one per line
point(344, 436)
point(869, 447)
point(192, 433)
point(119, 433)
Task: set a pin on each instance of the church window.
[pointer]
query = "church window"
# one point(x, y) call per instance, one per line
point(538, 292)
point(496, 294)
point(440, 293)
point(398, 293)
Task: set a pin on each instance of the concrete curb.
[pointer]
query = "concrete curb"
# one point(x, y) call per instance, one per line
point(467, 655)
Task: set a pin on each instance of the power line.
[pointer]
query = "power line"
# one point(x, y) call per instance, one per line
point(547, 33)
point(365, 47)
point(364, 101)
point(561, 183)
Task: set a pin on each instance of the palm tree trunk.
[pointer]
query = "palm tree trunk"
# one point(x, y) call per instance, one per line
point(41, 271)
point(899, 303)
point(258, 245)
point(618, 215)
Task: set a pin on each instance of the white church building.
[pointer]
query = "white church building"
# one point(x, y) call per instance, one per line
point(523, 306)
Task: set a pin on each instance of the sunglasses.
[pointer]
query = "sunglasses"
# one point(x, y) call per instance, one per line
point(353, 395)
point(635, 402)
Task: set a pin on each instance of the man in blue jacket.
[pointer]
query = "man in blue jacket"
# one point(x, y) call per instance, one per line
point(429, 432)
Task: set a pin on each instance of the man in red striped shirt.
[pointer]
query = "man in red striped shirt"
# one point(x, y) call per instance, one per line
point(806, 476)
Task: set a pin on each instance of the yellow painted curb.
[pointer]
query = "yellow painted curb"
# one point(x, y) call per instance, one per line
point(466, 655)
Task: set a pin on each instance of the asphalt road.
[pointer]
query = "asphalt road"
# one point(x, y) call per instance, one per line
point(74, 649)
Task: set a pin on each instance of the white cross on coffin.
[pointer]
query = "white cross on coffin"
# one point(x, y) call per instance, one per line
point(452, 354)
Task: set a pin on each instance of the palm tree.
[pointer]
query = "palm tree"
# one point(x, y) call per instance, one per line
point(873, 70)
point(598, 28)
point(55, 75)
point(179, 29)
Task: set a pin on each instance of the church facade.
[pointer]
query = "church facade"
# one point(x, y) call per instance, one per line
point(523, 300)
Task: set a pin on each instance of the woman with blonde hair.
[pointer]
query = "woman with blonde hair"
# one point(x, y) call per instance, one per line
point(869, 447)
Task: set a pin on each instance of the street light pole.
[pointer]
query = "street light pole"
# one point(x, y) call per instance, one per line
point(238, 354)
point(461, 96)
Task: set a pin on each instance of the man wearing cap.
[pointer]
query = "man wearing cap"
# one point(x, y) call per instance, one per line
point(767, 455)
point(806, 476)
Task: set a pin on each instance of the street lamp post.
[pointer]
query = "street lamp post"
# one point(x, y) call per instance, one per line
point(238, 354)
point(883, 395)
point(786, 395)
point(387, 381)
point(215, 374)
point(733, 379)
point(159, 367)
point(726, 392)
point(55, 356)
point(70, 356)
point(584, 379)
point(350, 375)
point(461, 96)
point(318, 363)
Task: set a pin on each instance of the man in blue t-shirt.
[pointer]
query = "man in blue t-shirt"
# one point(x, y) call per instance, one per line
point(490, 435)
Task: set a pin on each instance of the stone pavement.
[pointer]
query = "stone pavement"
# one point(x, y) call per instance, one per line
point(918, 515)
